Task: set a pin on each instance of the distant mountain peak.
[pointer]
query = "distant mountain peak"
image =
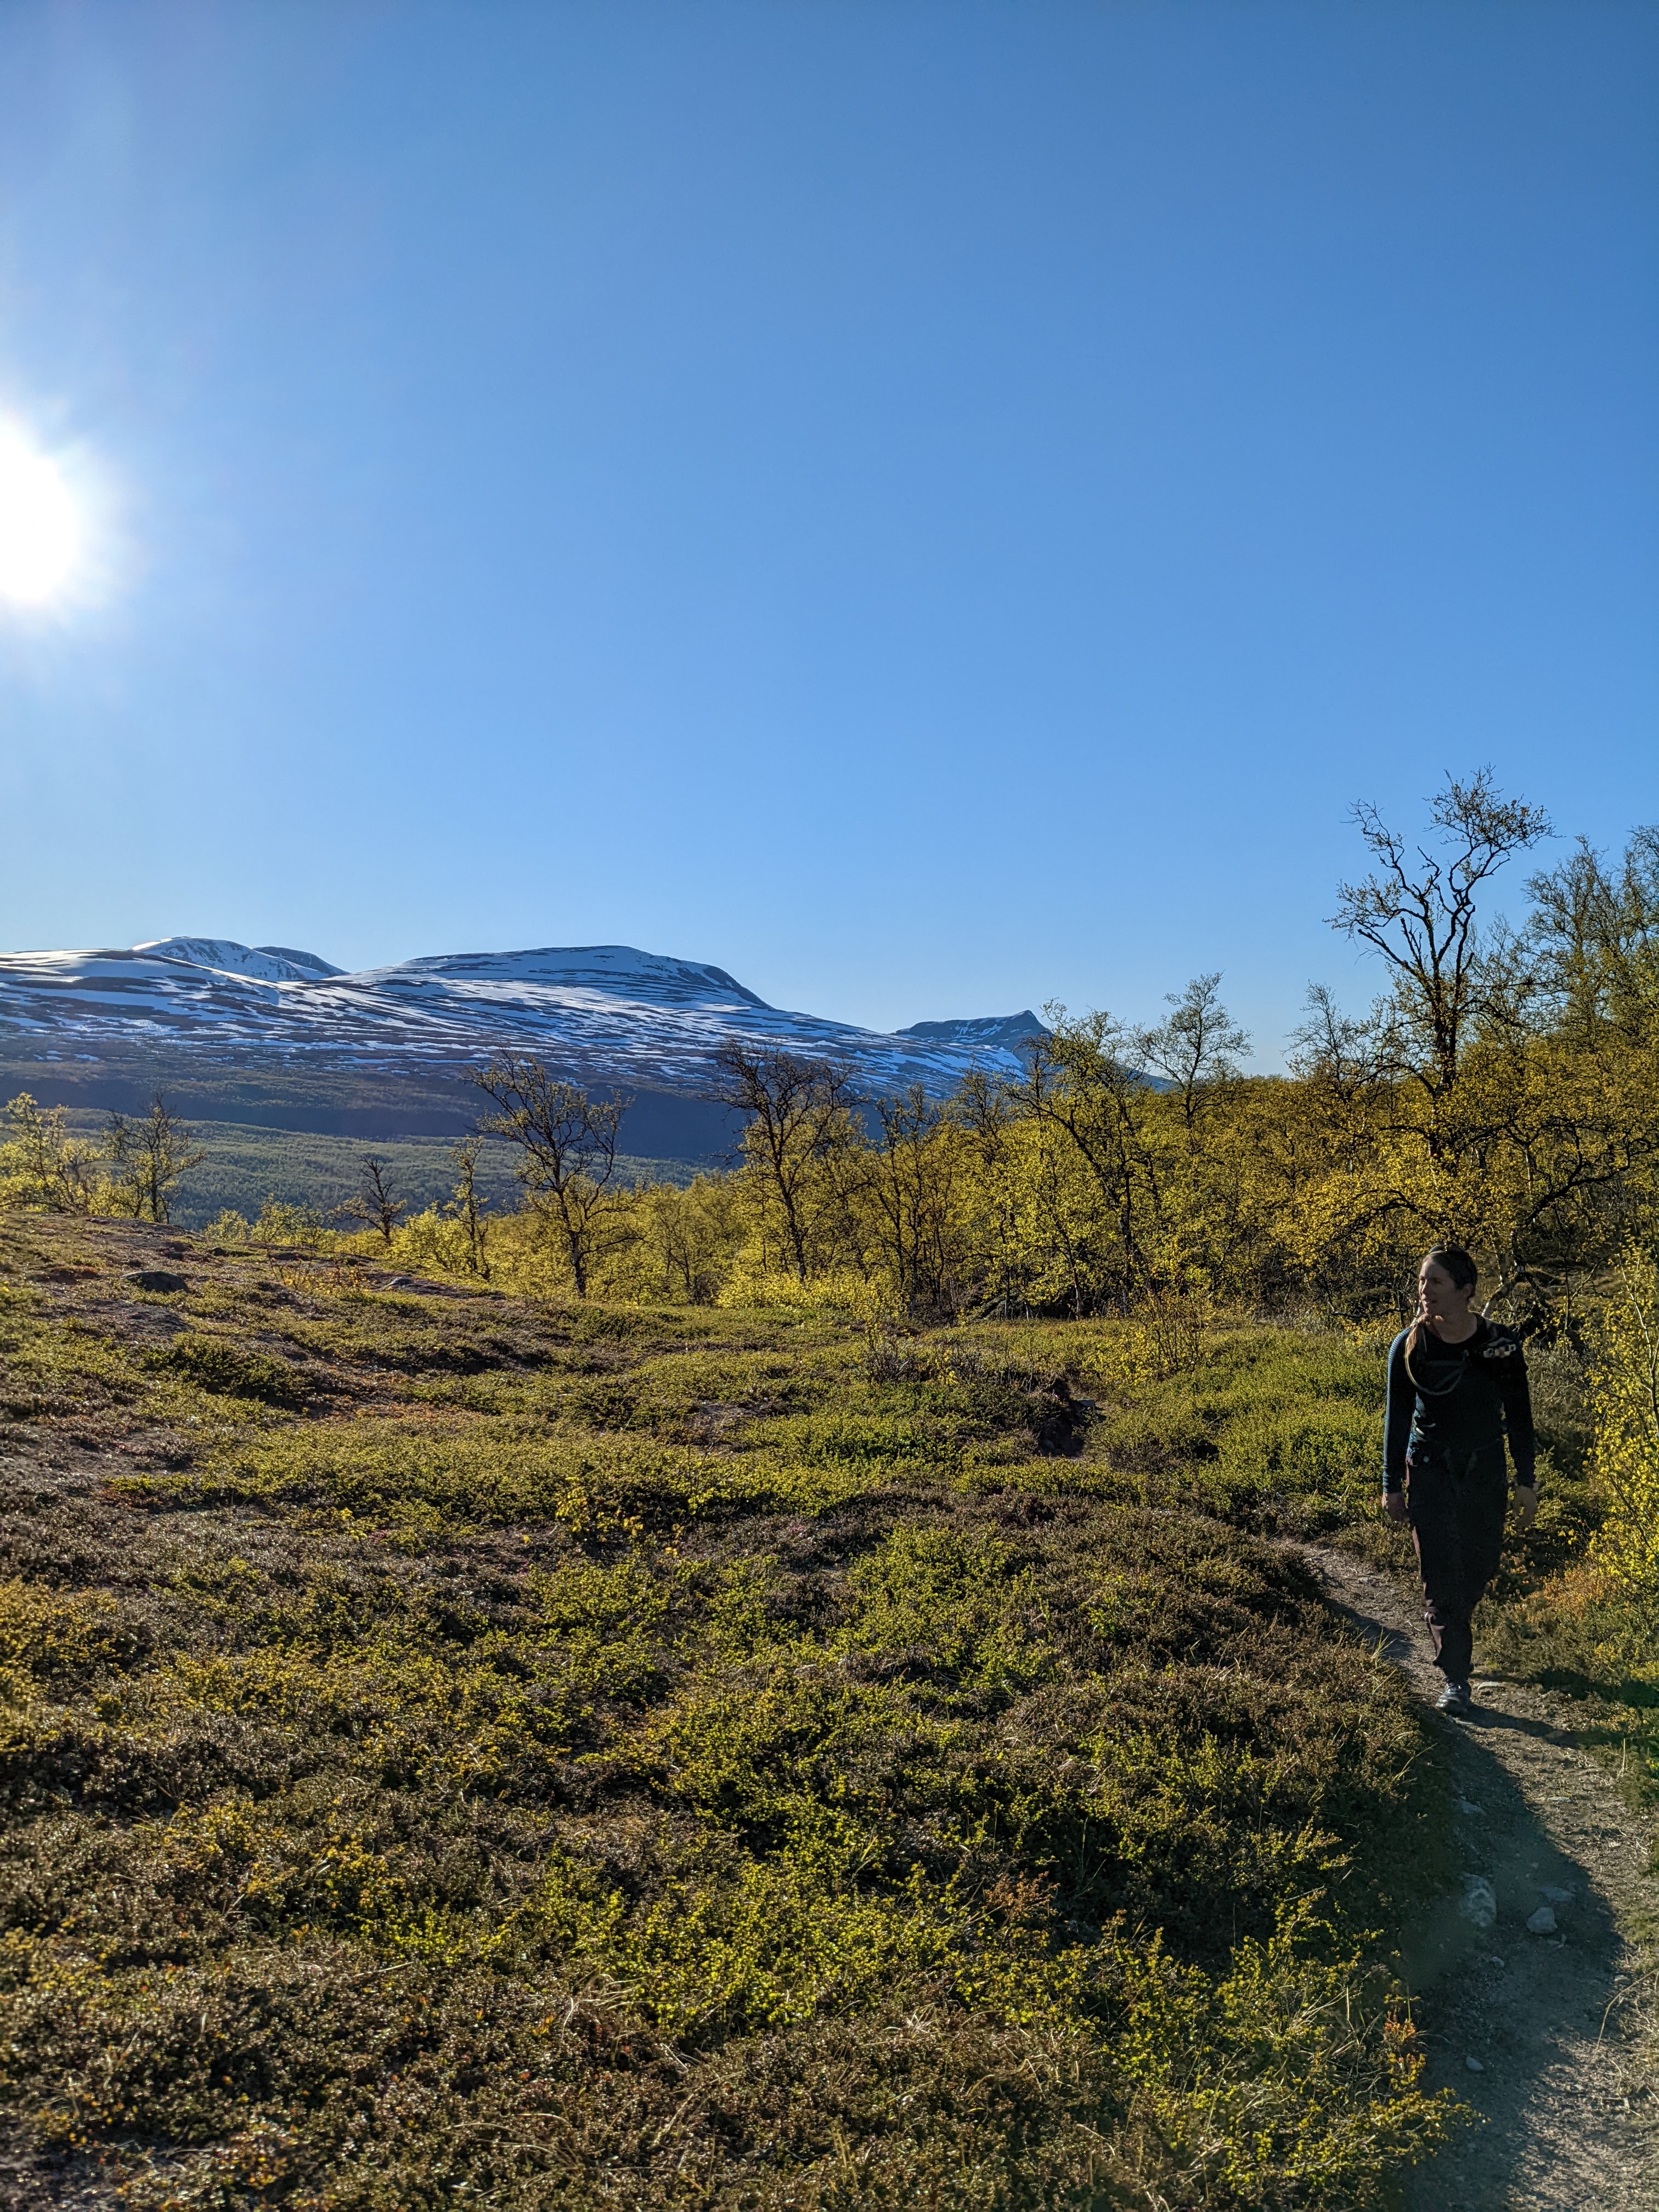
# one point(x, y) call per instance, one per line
point(265, 963)
point(1007, 1031)
point(609, 1015)
point(308, 961)
point(619, 971)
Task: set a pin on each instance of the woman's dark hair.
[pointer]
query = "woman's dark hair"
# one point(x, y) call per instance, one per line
point(1459, 1264)
point(1456, 1261)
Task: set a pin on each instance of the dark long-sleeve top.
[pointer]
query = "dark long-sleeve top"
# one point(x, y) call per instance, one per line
point(1464, 1395)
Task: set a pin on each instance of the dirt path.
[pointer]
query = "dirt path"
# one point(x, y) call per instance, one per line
point(1534, 2030)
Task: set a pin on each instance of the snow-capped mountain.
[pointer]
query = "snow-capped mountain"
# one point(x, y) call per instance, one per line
point(604, 1014)
point(264, 964)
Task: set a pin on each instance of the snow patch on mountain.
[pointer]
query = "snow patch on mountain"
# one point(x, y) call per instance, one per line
point(1000, 1032)
point(308, 962)
point(604, 1014)
point(264, 964)
point(617, 971)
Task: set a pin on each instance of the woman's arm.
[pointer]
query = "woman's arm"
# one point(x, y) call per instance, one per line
point(1397, 1428)
point(1523, 1442)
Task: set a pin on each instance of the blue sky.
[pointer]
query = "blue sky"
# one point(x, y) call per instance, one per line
point(933, 507)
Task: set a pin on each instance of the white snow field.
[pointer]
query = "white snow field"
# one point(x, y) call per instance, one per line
point(604, 1014)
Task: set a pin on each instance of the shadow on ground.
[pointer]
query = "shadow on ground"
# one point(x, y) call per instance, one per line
point(1523, 2025)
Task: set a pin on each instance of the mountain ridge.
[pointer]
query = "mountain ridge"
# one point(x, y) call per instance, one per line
point(607, 1015)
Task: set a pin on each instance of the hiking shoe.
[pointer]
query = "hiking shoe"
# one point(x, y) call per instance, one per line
point(1454, 1699)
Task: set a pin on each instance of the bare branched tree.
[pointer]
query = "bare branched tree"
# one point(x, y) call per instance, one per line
point(801, 1114)
point(566, 1144)
point(465, 1204)
point(1082, 1084)
point(1343, 1055)
point(1594, 938)
point(374, 1204)
point(1420, 911)
point(1197, 1045)
point(912, 1185)
point(149, 1159)
point(986, 1110)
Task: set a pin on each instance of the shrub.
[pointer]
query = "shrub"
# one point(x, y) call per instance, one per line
point(840, 1804)
point(1624, 1402)
point(212, 1364)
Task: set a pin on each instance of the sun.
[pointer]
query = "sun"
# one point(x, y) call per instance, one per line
point(39, 531)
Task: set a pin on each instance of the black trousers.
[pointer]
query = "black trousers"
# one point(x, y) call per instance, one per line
point(1456, 1503)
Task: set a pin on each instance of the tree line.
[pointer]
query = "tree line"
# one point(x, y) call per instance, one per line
point(1501, 1092)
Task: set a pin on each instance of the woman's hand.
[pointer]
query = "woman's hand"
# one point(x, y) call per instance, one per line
point(1394, 1504)
point(1527, 1498)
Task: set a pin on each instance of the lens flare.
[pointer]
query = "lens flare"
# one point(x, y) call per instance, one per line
point(40, 533)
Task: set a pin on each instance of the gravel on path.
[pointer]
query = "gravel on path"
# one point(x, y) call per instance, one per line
point(1529, 1981)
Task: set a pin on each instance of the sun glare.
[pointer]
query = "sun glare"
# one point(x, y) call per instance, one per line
point(39, 535)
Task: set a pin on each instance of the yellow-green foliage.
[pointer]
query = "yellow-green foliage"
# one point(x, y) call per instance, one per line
point(1082, 1190)
point(579, 1754)
point(1586, 1627)
point(1088, 1191)
point(1624, 1408)
point(42, 1165)
point(50, 1636)
point(1116, 1171)
point(279, 1222)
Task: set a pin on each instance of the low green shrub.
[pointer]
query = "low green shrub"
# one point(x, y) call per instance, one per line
point(213, 1364)
point(717, 1774)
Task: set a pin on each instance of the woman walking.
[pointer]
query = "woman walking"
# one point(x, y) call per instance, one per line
point(1457, 1384)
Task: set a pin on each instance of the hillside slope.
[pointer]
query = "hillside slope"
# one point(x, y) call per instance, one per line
point(469, 1750)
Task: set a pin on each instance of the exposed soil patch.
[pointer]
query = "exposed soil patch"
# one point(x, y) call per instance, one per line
point(1551, 2019)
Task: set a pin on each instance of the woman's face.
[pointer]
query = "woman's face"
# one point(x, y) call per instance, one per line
point(1439, 1299)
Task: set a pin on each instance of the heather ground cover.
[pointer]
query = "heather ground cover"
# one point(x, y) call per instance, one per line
point(460, 1749)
